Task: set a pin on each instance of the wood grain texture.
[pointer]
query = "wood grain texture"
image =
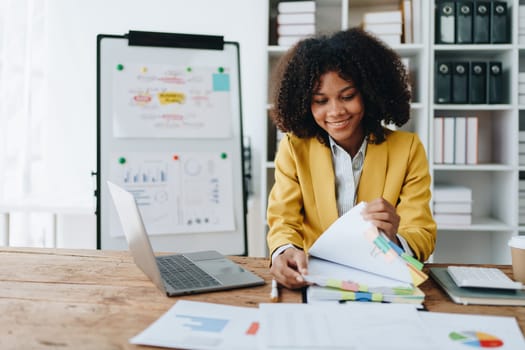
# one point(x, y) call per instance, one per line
point(91, 299)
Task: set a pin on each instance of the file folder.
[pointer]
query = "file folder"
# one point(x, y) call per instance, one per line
point(460, 73)
point(495, 84)
point(481, 22)
point(443, 82)
point(478, 82)
point(445, 22)
point(499, 22)
point(464, 10)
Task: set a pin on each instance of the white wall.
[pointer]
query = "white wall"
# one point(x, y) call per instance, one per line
point(73, 28)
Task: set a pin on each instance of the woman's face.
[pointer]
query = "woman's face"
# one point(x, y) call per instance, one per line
point(338, 108)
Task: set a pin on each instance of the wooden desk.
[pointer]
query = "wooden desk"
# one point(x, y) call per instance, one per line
point(90, 299)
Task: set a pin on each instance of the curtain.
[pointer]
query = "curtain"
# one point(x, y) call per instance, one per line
point(23, 112)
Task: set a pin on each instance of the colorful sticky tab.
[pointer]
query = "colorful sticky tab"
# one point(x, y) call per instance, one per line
point(221, 82)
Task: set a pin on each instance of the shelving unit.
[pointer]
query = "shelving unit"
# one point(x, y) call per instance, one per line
point(494, 180)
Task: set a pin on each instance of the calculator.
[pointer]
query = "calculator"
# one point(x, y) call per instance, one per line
point(481, 277)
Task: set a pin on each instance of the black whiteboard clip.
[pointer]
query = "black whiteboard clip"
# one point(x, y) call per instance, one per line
point(178, 40)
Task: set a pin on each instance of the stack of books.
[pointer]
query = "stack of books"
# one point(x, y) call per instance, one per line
point(354, 261)
point(521, 204)
point(521, 24)
point(295, 21)
point(456, 140)
point(385, 25)
point(521, 87)
point(452, 205)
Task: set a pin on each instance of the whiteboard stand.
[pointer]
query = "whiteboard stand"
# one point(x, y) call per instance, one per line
point(170, 132)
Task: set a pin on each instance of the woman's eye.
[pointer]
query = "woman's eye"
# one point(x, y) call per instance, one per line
point(319, 102)
point(348, 97)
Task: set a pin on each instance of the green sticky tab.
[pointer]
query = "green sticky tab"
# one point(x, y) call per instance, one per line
point(382, 244)
point(122, 160)
point(220, 69)
point(363, 288)
point(333, 283)
point(120, 66)
point(347, 296)
point(402, 291)
point(377, 297)
point(224, 155)
point(412, 261)
point(188, 69)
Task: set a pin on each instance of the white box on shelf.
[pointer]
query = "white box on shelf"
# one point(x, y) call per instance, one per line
point(383, 17)
point(289, 40)
point(452, 207)
point(452, 193)
point(453, 219)
point(296, 18)
point(383, 28)
point(390, 39)
point(296, 6)
point(296, 29)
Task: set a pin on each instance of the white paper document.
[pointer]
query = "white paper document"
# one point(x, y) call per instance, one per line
point(198, 325)
point(354, 326)
point(462, 332)
point(351, 241)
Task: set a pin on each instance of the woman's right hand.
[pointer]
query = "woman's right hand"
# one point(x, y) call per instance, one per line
point(288, 268)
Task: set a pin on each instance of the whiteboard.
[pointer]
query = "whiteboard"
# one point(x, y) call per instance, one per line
point(170, 132)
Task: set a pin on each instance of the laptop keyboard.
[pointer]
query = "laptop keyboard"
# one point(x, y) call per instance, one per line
point(182, 273)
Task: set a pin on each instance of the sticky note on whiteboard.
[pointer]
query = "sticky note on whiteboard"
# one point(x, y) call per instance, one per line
point(221, 82)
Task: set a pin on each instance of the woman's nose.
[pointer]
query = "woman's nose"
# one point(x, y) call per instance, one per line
point(335, 108)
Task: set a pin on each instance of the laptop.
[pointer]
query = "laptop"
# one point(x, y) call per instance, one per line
point(178, 274)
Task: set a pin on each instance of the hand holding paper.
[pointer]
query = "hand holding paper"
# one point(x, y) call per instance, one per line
point(355, 242)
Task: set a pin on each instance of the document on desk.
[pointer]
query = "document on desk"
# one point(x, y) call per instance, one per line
point(461, 332)
point(199, 325)
point(354, 326)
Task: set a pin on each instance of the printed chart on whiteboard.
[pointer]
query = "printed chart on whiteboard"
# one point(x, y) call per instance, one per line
point(160, 100)
point(177, 192)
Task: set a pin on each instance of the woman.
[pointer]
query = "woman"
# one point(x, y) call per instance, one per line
point(333, 96)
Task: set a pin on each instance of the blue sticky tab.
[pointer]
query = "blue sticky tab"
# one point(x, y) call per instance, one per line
point(394, 246)
point(221, 82)
point(363, 296)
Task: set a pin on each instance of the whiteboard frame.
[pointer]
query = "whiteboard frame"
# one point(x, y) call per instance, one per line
point(164, 50)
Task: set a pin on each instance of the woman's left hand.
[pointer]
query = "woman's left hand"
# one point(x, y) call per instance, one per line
point(383, 215)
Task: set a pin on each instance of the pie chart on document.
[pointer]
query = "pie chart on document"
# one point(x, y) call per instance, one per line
point(475, 339)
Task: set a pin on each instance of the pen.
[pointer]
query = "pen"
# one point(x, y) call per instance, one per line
point(274, 294)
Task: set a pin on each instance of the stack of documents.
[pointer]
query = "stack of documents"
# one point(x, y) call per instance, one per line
point(359, 326)
point(353, 260)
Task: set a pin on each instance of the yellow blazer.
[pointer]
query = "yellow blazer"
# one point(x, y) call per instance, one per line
point(302, 202)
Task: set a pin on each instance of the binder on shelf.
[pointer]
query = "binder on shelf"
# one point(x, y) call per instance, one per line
point(445, 22)
point(448, 140)
point(438, 140)
point(481, 25)
point(495, 82)
point(460, 73)
point(478, 82)
point(499, 22)
point(464, 10)
point(443, 82)
point(472, 140)
point(406, 8)
point(460, 140)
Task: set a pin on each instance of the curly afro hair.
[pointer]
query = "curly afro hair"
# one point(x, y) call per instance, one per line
point(376, 71)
